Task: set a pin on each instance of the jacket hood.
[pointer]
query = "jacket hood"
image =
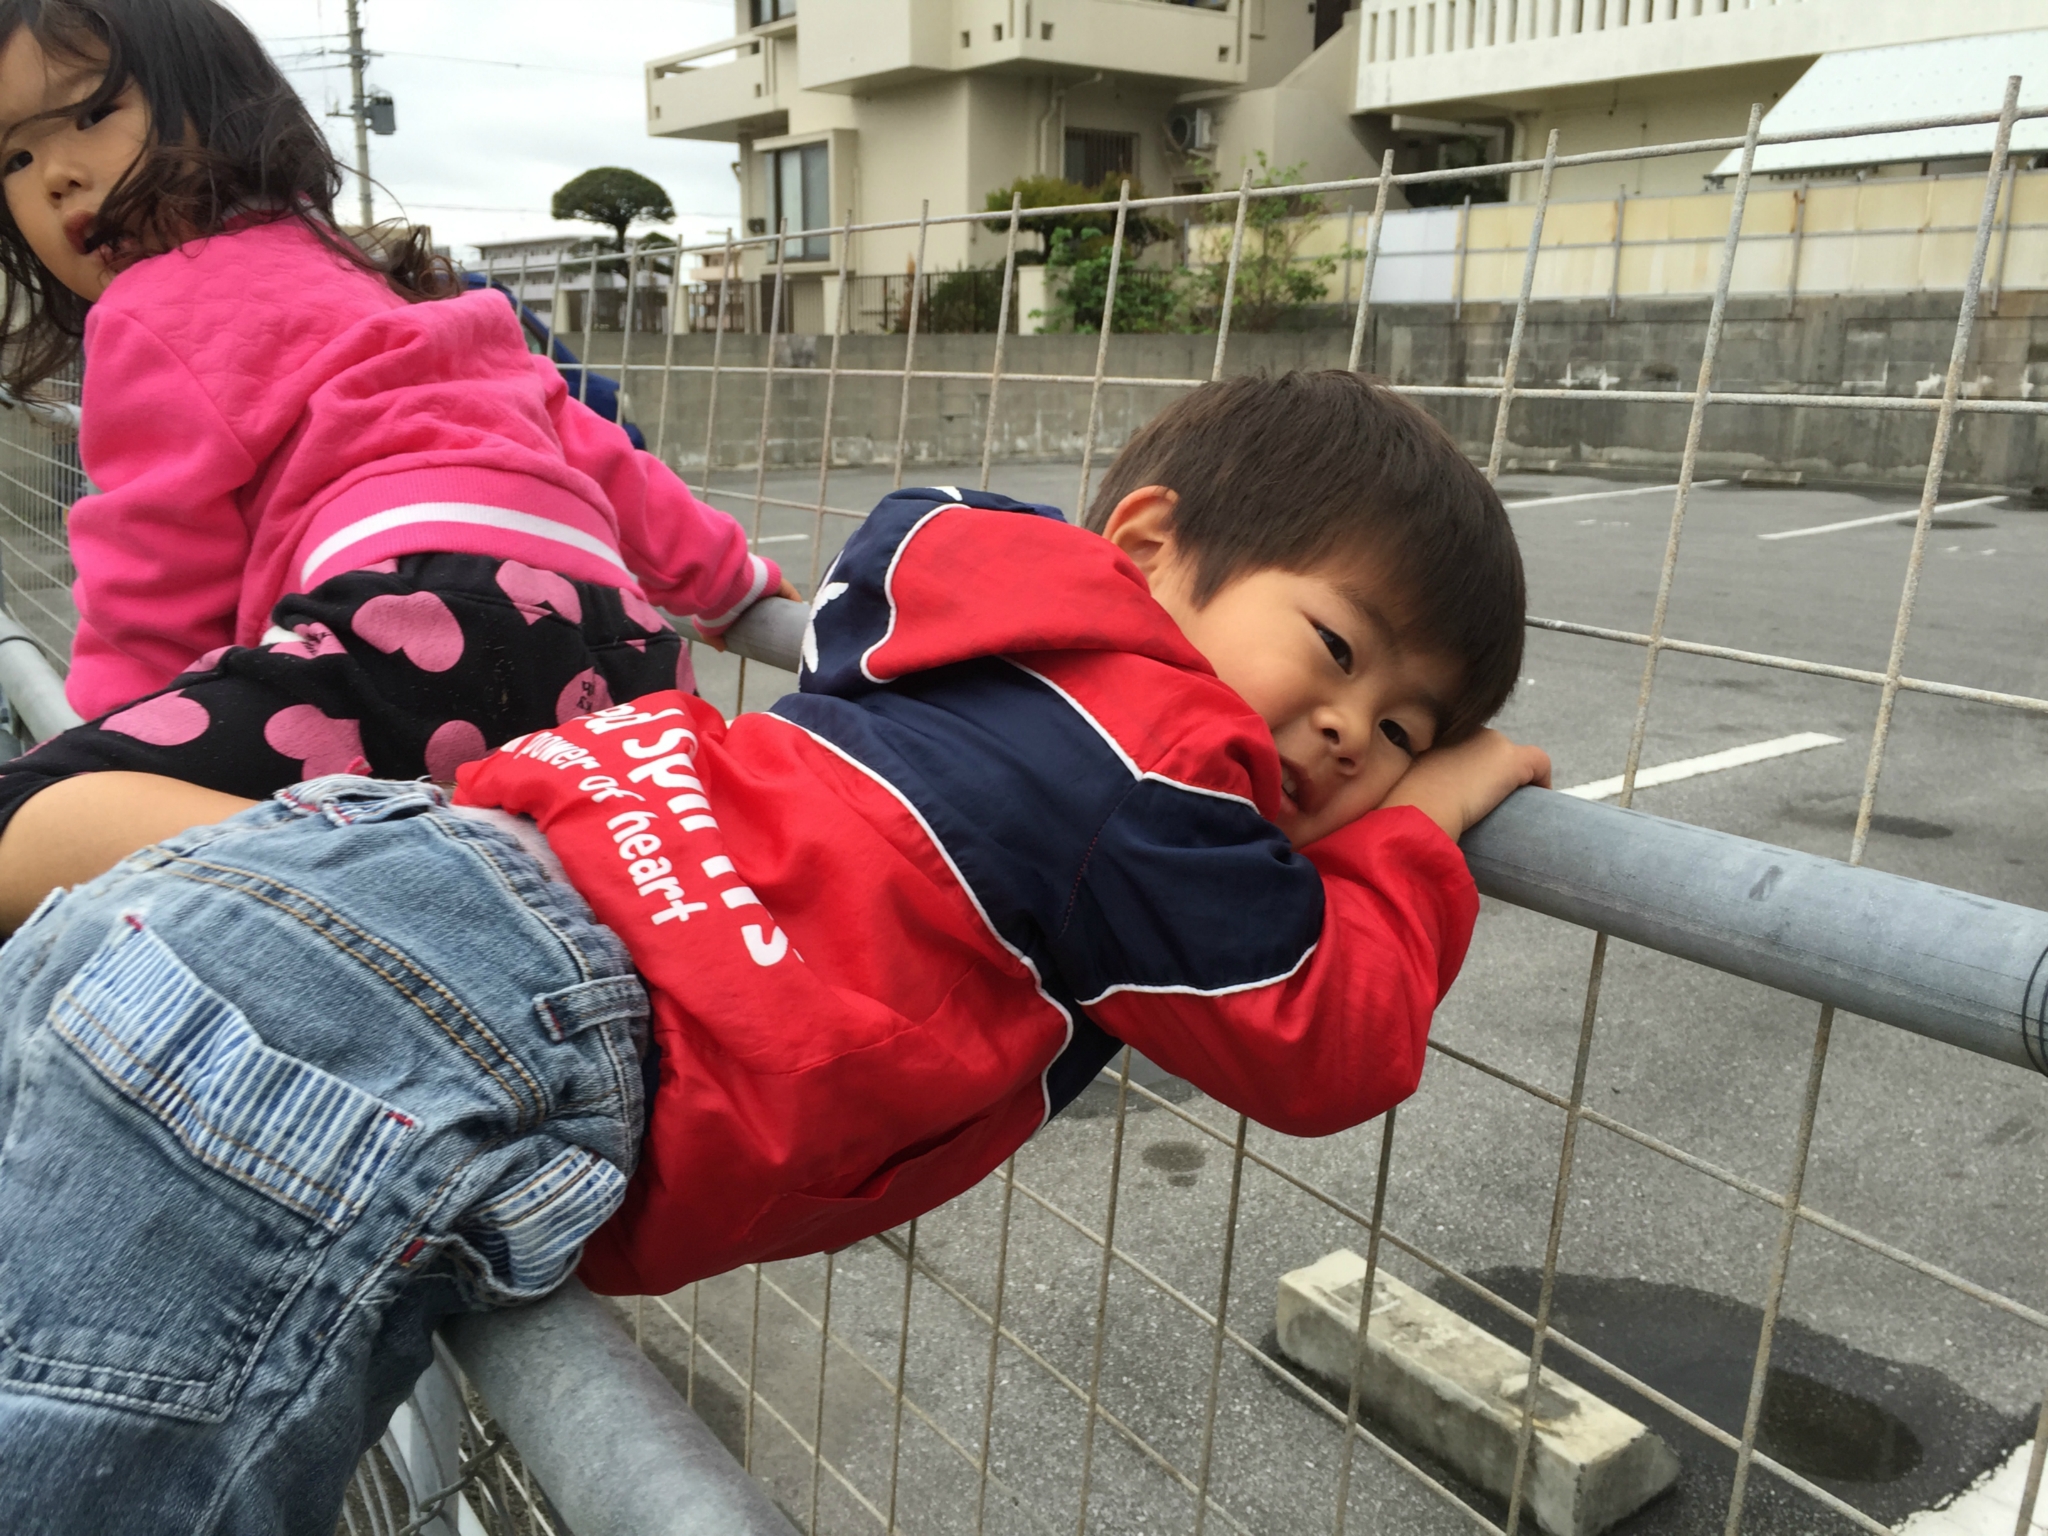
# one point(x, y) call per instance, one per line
point(1007, 579)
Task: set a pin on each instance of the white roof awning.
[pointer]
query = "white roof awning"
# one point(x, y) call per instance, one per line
point(1952, 77)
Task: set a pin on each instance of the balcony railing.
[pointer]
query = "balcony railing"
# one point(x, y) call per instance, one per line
point(710, 92)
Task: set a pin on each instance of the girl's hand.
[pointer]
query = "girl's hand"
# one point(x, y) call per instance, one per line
point(1455, 787)
point(787, 589)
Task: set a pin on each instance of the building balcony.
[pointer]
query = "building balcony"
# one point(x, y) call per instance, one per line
point(722, 90)
point(1506, 53)
point(864, 45)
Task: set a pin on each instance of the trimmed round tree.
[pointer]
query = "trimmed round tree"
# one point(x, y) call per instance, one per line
point(613, 196)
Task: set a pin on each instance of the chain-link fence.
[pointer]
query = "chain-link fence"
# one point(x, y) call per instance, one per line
point(1084, 1342)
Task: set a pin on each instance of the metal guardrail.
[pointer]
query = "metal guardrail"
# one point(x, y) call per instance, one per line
point(30, 684)
point(1942, 963)
point(619, 1453)
point(59, 414)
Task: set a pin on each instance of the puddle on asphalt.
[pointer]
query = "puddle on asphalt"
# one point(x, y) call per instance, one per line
point(1887, 1438)
point(1178, 1160)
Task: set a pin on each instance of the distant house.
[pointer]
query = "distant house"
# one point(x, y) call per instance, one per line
point(542, 268)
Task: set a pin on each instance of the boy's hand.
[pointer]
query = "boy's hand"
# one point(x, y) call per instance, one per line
point(1455, 787)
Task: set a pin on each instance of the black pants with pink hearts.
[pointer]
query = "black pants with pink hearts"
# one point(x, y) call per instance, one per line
point(410, 668)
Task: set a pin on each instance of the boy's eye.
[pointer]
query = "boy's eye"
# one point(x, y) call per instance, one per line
point(1391, 729)
point(18, 161)
point(97, 114)
point(1339, 647)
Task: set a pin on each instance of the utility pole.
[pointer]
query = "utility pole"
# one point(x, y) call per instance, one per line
point(359, 109)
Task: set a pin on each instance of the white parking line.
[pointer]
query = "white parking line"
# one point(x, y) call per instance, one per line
point(1634, 490)
point(781, 538)
point(1989, 1507)
point(1882, 517)
point(1713, 762)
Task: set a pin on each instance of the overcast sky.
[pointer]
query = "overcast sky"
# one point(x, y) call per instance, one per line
point(482, 145)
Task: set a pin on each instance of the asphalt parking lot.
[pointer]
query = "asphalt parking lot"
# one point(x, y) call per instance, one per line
point(1927, 1148)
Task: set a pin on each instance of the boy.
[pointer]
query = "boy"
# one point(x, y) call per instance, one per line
point(1040, 794)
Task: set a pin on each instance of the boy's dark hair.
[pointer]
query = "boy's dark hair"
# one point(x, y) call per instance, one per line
point(1291, 473)
point(228, 137)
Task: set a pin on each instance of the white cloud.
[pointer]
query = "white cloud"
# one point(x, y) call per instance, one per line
point(480, 147)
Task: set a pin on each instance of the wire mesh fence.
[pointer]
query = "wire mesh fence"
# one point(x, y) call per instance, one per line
point(39, 480)
point(1083, 1343)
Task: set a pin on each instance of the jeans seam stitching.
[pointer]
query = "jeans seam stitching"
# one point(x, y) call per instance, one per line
point(351, 1208)
point(507, 1058)
point(421, 1227)
point(483, 850)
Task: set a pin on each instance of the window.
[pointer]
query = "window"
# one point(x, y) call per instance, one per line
point(803, 196)
point(765, 11)
point(1097, 155)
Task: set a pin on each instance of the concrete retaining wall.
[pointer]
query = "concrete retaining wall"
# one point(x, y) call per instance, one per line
point(1875, 345)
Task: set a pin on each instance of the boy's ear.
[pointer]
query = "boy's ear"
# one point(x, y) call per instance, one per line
point(1141, 525)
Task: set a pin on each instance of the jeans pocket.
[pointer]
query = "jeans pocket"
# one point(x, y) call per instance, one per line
point(528, 1237)
point(167, 1184)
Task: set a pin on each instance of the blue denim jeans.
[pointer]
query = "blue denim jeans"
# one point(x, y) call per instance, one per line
point(277, 1096)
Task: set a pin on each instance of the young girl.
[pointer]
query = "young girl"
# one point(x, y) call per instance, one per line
point(335, 526)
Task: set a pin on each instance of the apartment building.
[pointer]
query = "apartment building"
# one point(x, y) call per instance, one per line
point(1610, 74)
point(875, 107)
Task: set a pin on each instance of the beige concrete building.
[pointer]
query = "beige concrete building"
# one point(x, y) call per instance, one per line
point(872, 107)
point(1610, 74)
point(875, 106)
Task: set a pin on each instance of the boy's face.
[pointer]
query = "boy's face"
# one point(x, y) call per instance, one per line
point(1319, 658)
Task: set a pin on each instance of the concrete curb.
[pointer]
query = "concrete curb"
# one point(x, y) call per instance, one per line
point(1456, 1392)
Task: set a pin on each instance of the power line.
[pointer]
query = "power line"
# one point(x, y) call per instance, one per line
point(413, 202)
point(340, 54)
point(456, 58)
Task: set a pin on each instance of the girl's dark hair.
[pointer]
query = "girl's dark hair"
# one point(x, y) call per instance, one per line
point(1308, 469)
point(228, 138)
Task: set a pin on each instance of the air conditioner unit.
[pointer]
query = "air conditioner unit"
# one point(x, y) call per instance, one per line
point(1191, 130)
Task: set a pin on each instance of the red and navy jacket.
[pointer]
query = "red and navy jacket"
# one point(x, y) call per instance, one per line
point(1010, 821)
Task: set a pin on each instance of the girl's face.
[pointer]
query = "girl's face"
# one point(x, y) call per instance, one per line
point(55, 171)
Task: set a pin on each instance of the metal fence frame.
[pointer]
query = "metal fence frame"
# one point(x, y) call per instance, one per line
point(801, 1421)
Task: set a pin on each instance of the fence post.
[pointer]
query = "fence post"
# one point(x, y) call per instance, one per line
point(1464, 243)
point(1116, 257)
point(1614, 276)
point(2012, 192)
point(1798, 245)
point(1514, 357)
point(1372, 256)
point(1350, 230)
point(589, 320)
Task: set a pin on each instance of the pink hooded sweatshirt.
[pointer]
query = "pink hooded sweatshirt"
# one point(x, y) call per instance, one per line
point(260, 415)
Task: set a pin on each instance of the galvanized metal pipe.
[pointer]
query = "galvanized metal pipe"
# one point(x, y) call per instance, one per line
point(1938, 962)
point(600, 1428)
point(30, 683)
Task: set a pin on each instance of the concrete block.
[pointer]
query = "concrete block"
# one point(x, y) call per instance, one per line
point(1456, 1391)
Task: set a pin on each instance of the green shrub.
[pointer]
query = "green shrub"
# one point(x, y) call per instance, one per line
point(1148, 299)
point(1275, 282)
